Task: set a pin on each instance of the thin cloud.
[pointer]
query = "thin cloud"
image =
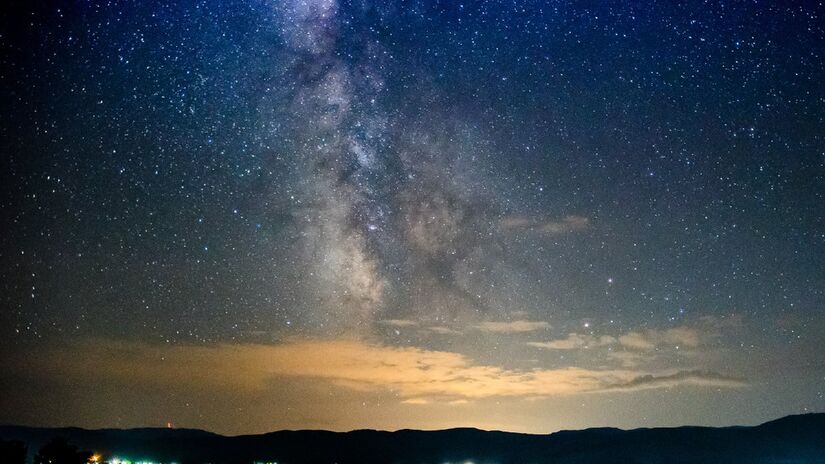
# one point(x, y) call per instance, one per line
point(416, 401)
point(565, 225)
point(630, 358)
point(638, 341)
point(575, 341)
point(441, 330)
point(650, 339)
point(398, 322)
point(520, 326)
point(694, 377)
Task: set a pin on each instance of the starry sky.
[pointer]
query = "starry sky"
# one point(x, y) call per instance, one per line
point(249, 215)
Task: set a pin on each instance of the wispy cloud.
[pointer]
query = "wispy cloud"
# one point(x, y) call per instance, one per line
point(630, 358)
point(575, 341)
point(555, 227)
point(398, 322)
point(441, 330)
point(640, 346)
point(694, 377)
point(512, 326)
point(650, 339)
point(416, 401)
point(642, 340)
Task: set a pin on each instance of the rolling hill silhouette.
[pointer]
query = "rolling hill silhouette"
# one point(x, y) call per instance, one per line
point(792, 439)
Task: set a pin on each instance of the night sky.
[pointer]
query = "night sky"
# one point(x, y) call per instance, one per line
point(250, 215)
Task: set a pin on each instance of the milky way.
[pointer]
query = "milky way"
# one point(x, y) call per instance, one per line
point(250, 215)
point(390, 210)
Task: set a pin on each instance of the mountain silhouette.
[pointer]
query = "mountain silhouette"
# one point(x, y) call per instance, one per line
point(792, 439)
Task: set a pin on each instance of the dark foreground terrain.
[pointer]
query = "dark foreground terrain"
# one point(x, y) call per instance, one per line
point(793, 439)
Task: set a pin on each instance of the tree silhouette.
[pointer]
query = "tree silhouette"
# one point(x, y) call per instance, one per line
point(13, 452)
point(58, 451)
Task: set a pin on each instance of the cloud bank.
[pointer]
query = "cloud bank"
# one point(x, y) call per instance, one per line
point(413, 375)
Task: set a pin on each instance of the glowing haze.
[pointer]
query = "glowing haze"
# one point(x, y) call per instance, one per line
point(252, 215)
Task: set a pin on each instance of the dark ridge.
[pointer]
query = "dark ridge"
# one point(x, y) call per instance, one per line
point(791, 439)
